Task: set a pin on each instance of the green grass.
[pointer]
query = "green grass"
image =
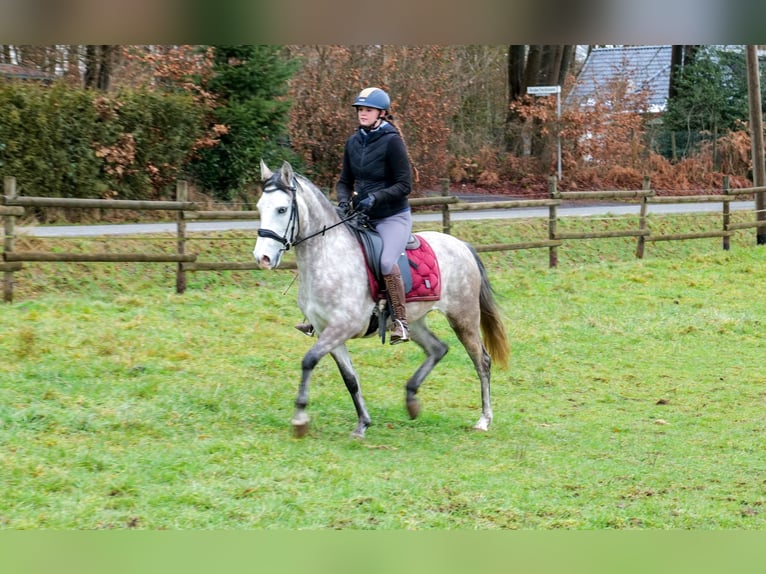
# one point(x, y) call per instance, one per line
point(634, 399)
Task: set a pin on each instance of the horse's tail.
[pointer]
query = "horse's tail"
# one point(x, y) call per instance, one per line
point(492, 328)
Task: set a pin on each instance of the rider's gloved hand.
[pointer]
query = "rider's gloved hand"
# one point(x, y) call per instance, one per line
point(342, 209)
point(366, 204)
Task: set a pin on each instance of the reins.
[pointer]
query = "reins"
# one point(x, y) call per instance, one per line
point(324, 229)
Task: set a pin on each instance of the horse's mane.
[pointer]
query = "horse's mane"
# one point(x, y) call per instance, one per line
point(307, 185)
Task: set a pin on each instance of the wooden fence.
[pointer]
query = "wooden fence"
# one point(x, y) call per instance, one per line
point(13, 206)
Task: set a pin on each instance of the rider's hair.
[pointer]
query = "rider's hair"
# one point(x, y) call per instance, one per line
point(390, 119)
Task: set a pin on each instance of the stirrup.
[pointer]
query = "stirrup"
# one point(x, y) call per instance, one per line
point(404, 337)
point(305, 328)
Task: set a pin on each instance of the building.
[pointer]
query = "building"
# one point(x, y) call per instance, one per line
point(644, 68)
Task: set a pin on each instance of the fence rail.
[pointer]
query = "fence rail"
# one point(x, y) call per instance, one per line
point(12, 206)
point(79, 203)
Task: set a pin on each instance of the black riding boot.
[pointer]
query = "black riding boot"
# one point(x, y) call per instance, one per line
point(395, 288)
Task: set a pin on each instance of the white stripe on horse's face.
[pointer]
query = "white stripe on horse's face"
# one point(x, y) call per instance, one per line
point(274, 210)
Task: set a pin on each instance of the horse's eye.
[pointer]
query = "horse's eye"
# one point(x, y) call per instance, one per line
point(282, 210)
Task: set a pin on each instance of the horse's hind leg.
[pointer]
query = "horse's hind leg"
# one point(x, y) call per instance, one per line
point(468, 333)
point(343, 360)
point(435, 349)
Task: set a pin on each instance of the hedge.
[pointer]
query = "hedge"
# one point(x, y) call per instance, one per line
point(59, 141)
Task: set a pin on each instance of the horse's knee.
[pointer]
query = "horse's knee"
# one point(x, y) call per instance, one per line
point(310, 360)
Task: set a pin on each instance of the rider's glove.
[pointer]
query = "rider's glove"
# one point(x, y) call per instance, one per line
point(342, 209)
point(366, 204)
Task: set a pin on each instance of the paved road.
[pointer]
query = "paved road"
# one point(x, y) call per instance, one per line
point(563, 211)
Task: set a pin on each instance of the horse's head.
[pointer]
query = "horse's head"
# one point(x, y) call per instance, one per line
point(278, 213)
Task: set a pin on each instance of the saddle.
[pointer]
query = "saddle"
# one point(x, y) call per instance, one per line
point(418, 266)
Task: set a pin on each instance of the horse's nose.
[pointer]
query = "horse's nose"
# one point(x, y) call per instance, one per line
point(264, 262)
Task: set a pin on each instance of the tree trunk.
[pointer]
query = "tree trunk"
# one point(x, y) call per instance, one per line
point(550, 65)
point(106, 60)
point(534, 61)
point(73, 75)
point(533, 77)
point(99, 62)
point(676, 65)
point(567, 57)
point(91, 66)
point(530, 66)
point(517, 54)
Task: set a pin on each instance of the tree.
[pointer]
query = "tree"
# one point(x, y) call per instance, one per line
point(420, 81)
point(249, 83)
point(531, 66)
point(680, 56)
point(709, 96)
point(99, 63)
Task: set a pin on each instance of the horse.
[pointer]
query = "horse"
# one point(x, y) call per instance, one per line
point(334, 293)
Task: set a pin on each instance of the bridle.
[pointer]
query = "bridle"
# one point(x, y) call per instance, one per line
point(289, 240)
point(292, 224)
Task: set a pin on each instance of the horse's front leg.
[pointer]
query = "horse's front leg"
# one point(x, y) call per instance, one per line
point(346, 368)
point(327, 341)
point(301, 418)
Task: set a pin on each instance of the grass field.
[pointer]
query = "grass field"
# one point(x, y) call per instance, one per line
point(634, 399)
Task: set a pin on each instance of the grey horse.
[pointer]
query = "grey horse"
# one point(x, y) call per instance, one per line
point(334, 294)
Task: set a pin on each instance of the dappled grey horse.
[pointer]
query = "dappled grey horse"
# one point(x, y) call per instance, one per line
point(334, 293)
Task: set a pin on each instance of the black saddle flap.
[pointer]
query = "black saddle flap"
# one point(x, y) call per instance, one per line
point(372, 245)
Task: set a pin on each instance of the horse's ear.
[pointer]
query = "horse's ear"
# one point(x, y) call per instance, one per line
point(266, 173)
point(286, 173)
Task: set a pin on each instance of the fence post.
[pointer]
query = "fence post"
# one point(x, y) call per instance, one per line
point(641, 243)
point(9, 227)
point(726, 214)
point(182, 194)
point(446, 222)
point(553, 254)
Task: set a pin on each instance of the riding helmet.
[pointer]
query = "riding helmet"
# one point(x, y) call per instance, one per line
point(373, 98)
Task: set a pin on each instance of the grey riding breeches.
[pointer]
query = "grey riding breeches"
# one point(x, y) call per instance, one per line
point(395, 231)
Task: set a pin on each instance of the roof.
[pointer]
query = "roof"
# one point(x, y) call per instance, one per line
point(644, 67)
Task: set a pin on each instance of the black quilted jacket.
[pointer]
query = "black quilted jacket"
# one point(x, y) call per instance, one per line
point(376, 163)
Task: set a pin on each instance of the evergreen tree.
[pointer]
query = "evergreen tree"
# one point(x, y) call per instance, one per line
point(249, 83)
point(710, 96)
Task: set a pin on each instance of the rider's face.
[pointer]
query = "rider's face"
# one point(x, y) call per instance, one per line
point(367, 116)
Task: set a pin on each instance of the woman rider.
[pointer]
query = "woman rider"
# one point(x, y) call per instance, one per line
point(376, 179)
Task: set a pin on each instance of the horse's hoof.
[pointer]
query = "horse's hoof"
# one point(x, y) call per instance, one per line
point(482, 424)
point(300, 430)
point(360, 429)
point(413, 408)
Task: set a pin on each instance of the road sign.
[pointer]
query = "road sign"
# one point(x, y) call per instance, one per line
point(546, 91)
point(543, 90)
